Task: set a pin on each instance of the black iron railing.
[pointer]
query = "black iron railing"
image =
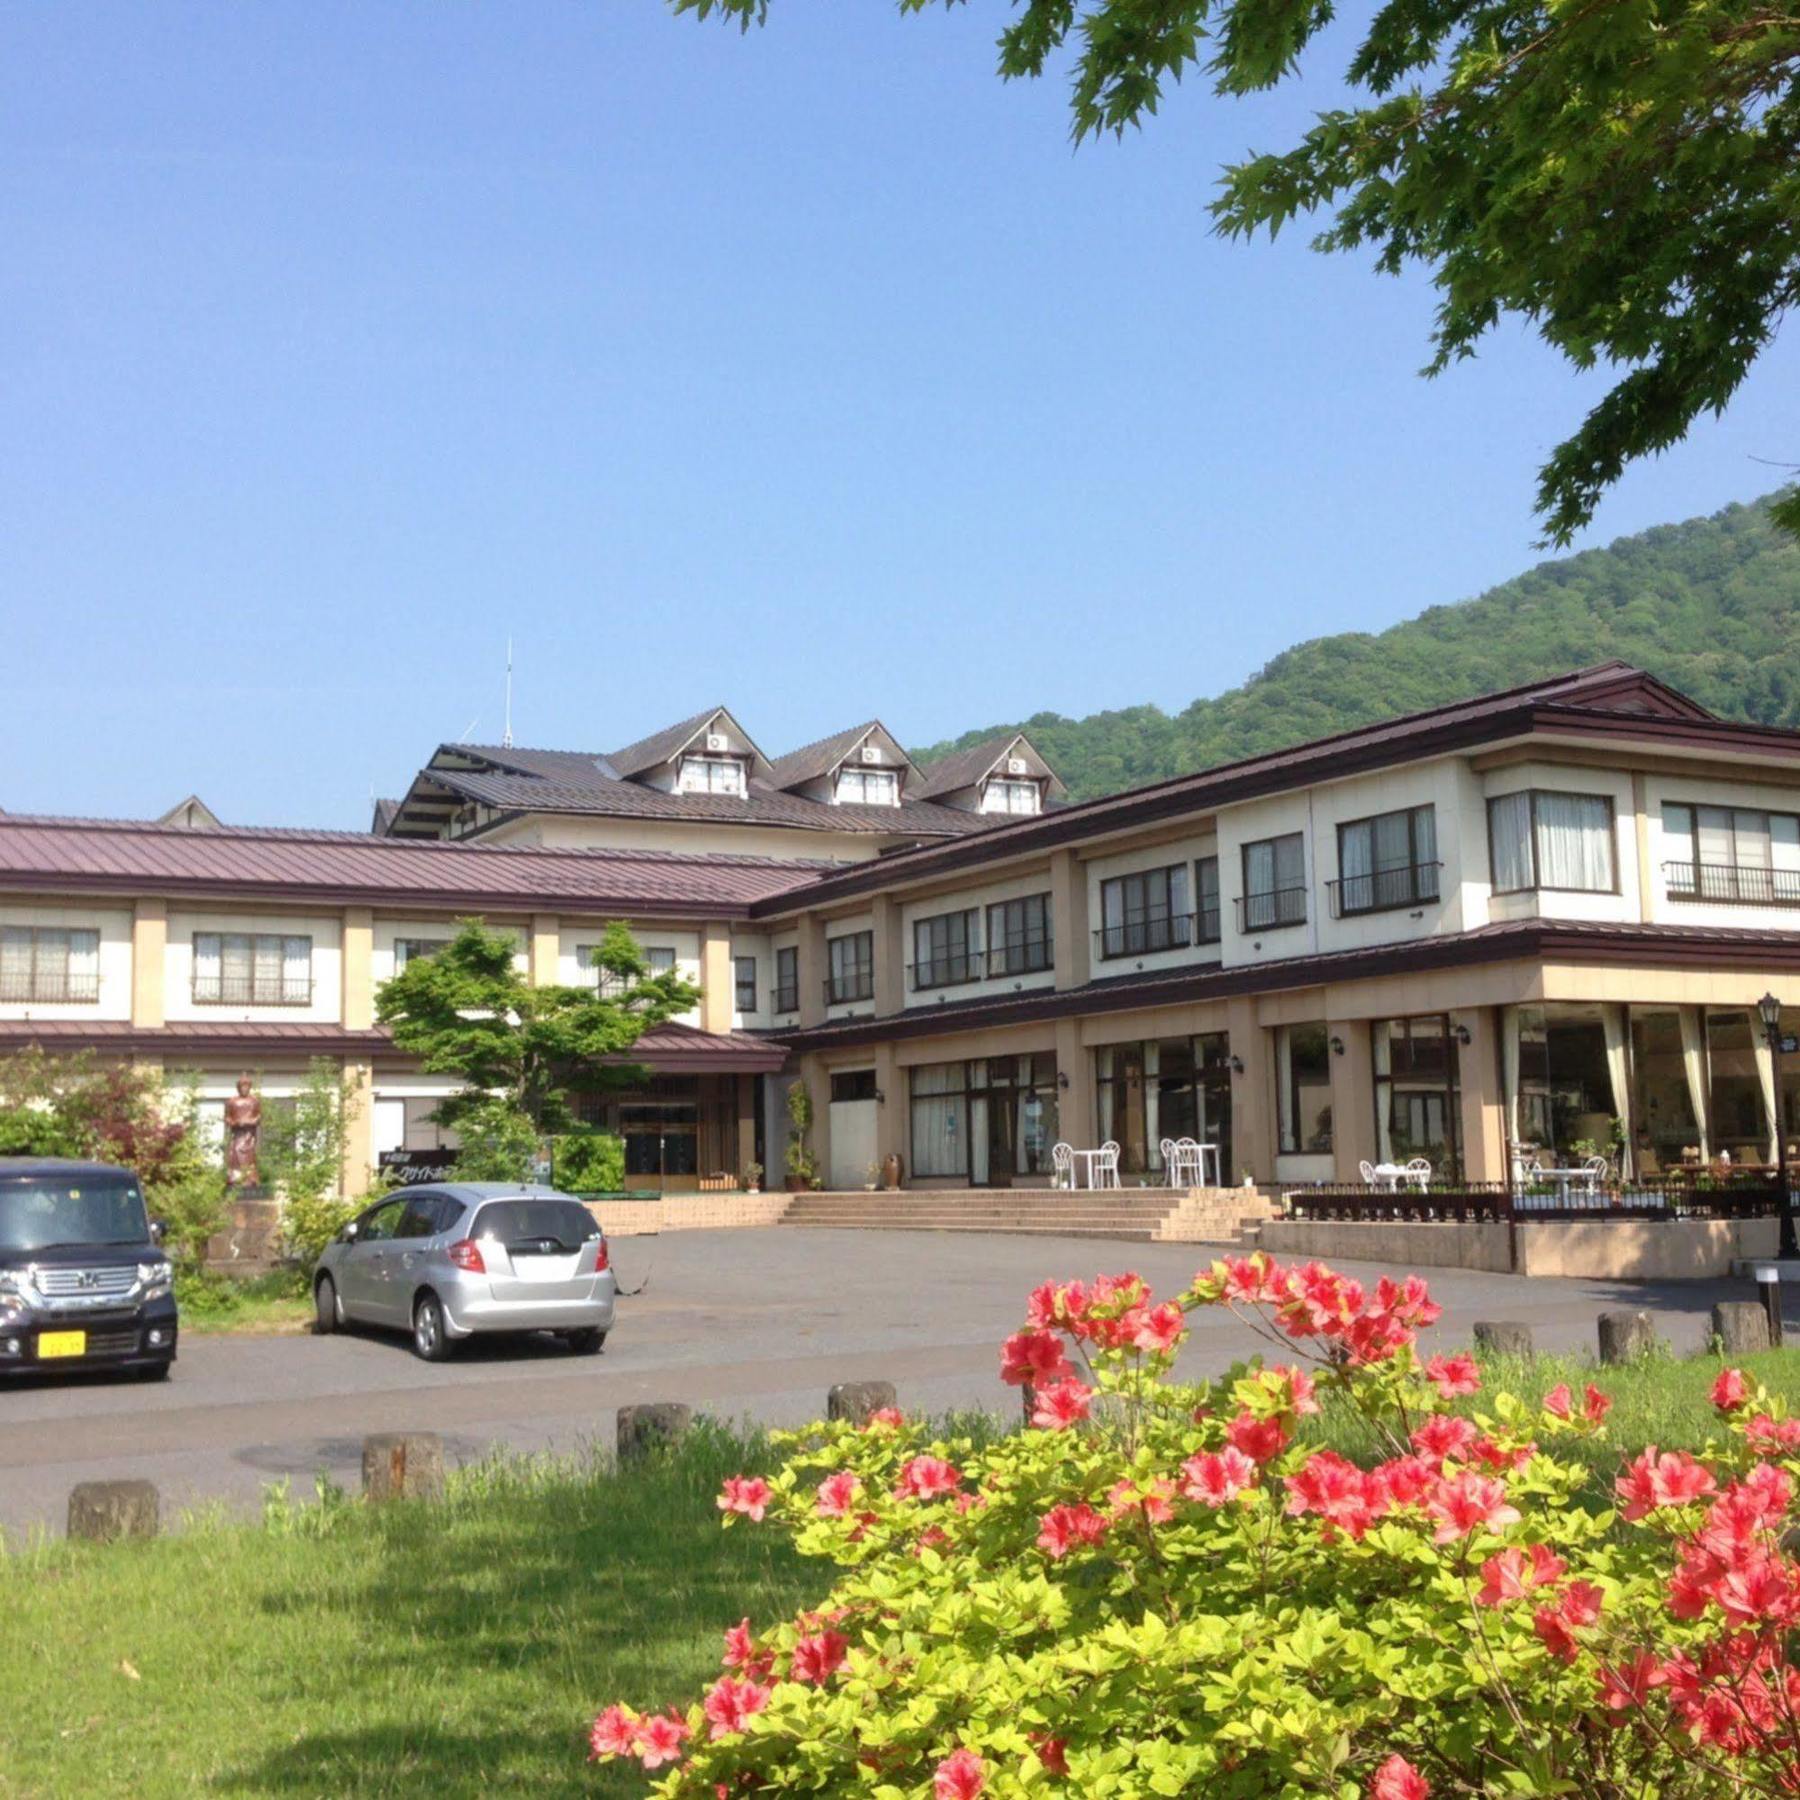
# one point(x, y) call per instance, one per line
point(252, 990)
point(1734, 883)
point(1384, 890)
point(1144, 937)
point(787, 999)
point(1700, 1196)
point(856, 984)
point(50, 987)
point(1025, 956)
point(1269, 911)
point(954, 968)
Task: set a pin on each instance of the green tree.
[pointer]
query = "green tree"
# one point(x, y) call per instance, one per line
point(524, 1050)
point(1619, 173)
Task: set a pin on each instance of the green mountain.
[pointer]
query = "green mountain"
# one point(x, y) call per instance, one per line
point(1711, 606)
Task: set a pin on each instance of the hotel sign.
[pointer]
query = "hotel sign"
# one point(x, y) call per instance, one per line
point(408, 1168)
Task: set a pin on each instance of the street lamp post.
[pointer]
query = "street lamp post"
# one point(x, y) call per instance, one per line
point(1769, 1010)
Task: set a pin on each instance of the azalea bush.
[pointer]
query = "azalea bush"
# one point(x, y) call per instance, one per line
point(1167, 1588)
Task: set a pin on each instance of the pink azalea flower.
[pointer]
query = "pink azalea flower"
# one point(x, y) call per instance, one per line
point(1061, 1404)
point(614, 1733)
point(1453, 1375)
point(1260, 1439)
point(1653, 1481)
point(1730, 1391)
point(816, 1659)
point(1065, 1526)
point(1446, 1437)
point(884, 1418)
point(1559, 1403)
point(960, 1776)
point(927, 1477)
point(1596, 1405)
point(1033, 1357)
point(1161, 1328)
point(837, 1494)
point(1469, 1502)
point(1153, 1503)
point(1218, 1476)
point(731, 1703)
point(746, 1494)
point(1397, 1779)
point(659, 1739)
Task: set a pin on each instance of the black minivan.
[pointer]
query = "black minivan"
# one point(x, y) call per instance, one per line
point(84, 1283)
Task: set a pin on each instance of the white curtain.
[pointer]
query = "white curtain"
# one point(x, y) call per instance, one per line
point(296, 968)
point(207, 967)
point(1509, 1040)
point(1618, 1069)
point(1358, 843)
point(1509, 827)
point(1765, 1073)
point(1693, 1059)
point(1575, 842)
point(939, 1136)
point(1153, 1105)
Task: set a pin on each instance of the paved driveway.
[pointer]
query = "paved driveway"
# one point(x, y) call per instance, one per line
point(743, 1324)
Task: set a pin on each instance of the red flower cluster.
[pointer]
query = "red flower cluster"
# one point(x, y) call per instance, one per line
point(1065, 1526)
point(927, 1478)
point(1314, 1301)
point(746, 1494)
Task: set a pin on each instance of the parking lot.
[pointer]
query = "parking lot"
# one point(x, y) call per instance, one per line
point(746, 1324)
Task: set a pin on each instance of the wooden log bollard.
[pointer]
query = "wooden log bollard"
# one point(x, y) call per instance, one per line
point(654, 1425)
point(102, 1512)
point(1741, 1327)
point(403, 1465)
point(1625, 1337)
point(1504, 1337)
point(856, 1400)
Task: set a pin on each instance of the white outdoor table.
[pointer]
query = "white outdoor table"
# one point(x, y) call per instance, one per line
point(1391, 1177)
point(1086, 1162)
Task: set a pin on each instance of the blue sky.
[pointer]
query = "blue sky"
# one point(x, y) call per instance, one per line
point(810, 371)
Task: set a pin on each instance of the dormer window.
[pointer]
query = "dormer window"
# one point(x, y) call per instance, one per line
point(868, 787)
point(711, 775)
point(1008, 795)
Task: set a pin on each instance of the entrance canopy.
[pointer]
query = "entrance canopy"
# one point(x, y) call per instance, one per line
point(675, 1049)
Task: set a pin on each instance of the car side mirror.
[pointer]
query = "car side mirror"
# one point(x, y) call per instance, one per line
point(348, 1234)
point(158, 1231)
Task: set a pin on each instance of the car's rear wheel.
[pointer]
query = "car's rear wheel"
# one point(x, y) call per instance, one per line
point(430, 1339)
point(326, 1316)
point(585, 1343)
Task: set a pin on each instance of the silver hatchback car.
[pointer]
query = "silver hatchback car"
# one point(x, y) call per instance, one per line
point(447, 1261)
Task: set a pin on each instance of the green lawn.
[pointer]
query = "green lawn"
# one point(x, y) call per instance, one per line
point(462, 1649)
point(262, 1305)
point(459, 1649)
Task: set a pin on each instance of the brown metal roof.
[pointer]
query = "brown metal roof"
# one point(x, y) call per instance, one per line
point(1610, 699)
point(94, 856)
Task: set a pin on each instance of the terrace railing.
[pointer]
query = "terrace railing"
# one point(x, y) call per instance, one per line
point(1741, 884)
point(1700, 1196)
point(1384, 890)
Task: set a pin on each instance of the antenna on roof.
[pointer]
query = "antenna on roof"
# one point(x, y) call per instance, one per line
point(506, 736)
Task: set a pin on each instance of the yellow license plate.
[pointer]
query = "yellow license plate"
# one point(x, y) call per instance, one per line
point(61, 1343)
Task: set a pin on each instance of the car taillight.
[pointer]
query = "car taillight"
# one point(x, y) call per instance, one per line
point(466, 1254)
point(601, 1260)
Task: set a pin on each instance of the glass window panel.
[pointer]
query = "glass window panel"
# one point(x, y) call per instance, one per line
point(1509, 835)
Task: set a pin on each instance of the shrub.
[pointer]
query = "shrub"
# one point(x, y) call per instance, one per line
point(802, 1166)
point(1163, 1588)
point(588, 1162)
point(496, 1142)
point(310, 1221)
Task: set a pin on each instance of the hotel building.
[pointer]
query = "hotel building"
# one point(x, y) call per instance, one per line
point(1541, 917)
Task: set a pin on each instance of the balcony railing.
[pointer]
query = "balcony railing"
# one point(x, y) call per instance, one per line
point(1029, 956)
point(786, 1000)
point(1206, 925)
point(51, 989)
point(1144, 937)
point(1736, 884)
point(1669, 1196)
point(1271, 910)
point(858, 984)
point(1384, 890)
point(954, 968)
point(251, 990)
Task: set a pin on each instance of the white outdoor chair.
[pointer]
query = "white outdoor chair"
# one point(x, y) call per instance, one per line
point(1367, 1171)
point(1062, 1164)
point(1595, 1170)
point(1181, 1162)
point(1106, 1165)
point(1171, 1155)
point(1418, 1174)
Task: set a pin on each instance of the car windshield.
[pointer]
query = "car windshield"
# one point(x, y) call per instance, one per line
point(510, 1221)
point(46, 1212)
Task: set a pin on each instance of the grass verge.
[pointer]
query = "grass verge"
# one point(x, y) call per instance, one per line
point(263, 1305)
point(455, 1649)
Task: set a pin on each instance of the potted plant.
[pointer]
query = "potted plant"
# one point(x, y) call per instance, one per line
point(753, 1174)
point(802, 1166)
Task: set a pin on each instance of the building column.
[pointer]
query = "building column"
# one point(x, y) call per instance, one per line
point(357, 969)
point(892, 1109)
point(718, 987)
point(1252, 1102)
point(890, 958)
point(546, 949)
point(1069, 919)
point(359, 1129)
point(809, 968)
point(1353, 1136)
point(1483, 1101)
point(1077, 1118)
point(149, 963)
